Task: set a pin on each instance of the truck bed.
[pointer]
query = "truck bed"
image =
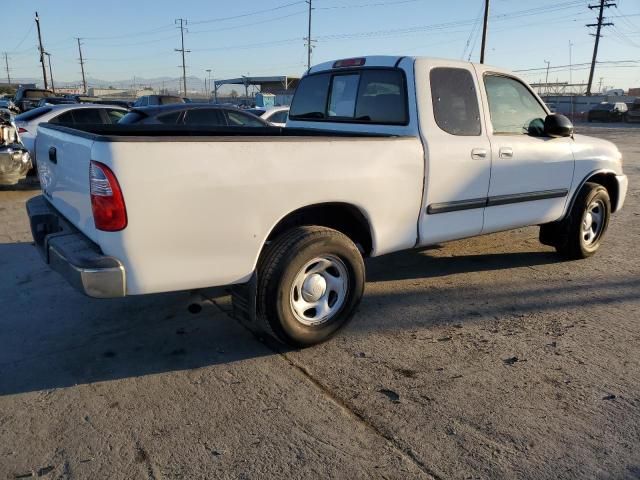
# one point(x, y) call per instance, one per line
point(202, 202)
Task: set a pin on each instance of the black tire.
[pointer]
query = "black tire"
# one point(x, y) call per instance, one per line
point(570, 242)
point(279, 267)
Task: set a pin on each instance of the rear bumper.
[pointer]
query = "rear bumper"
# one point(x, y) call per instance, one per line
point(623, 185)
point(70, 253)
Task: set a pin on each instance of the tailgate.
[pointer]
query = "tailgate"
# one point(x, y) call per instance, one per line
point(63, 167)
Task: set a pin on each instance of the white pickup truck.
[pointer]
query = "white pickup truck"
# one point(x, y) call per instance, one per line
point(380, 154)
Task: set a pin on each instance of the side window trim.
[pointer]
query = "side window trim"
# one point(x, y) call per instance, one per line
point(515, 79)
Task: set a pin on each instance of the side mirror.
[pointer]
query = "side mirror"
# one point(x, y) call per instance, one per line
point(556, 125)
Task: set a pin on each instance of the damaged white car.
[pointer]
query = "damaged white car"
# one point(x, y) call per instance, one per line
point(15, 160)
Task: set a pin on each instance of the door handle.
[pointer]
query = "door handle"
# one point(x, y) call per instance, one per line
point(478, 153)
point(53, 155)
point(506, 152)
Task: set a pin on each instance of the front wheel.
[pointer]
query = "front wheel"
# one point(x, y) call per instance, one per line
point(587, 223)
point(310, 281)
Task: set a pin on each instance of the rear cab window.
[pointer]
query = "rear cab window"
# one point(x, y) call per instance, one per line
point(366, 95)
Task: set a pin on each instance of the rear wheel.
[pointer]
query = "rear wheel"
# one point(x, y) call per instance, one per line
point(310, 281)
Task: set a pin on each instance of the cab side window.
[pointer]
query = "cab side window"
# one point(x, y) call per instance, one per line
point(513, 108)
point(455, 101)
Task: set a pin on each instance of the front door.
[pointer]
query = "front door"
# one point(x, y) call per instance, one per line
point(530, 173)
point(458, 152)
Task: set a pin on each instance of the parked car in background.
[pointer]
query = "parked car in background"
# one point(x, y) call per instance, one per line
point(75, 114)
point(608, 112)
point(276, 116)
point(28, 98)
point(55, 101)
point(380, 154)
point(195, 114)
point(150, 100)
point(5, 102)
point(633, 114)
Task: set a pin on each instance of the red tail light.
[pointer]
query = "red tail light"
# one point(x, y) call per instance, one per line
point(107, 202)
point(22, 130)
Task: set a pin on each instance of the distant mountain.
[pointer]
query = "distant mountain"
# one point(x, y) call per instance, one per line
point(171, 83)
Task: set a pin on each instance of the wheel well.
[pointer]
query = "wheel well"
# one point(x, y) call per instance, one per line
point(343, 217)
point(608, 181)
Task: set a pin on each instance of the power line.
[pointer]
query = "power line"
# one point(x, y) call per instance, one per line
point(183, 22)
point(472, 33)
point(603, 4)
point(249, 14)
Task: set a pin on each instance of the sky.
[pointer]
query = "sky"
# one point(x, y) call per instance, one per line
point(122, 39)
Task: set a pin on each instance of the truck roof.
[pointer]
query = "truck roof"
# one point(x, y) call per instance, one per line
point(383, 61)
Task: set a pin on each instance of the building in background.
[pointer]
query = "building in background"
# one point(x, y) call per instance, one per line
point(283, 87)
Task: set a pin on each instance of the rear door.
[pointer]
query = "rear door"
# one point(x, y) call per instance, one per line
point(531, 173)
point(457, 149)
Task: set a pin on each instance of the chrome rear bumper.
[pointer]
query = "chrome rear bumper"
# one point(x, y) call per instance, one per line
point(70, 253)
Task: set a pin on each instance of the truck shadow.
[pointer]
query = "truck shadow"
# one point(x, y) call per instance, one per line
point(53, 337)
point(413, 264)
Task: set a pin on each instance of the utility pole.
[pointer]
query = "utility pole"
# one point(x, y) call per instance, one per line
point(208, 70)
point(183, 22)
point(546, 80)
point(6, 62)
point(600, 87)
point(309, 38)
point(603, 4)
point(484, 30)
point(44, 70)
point(84, 80)
point(53, 88)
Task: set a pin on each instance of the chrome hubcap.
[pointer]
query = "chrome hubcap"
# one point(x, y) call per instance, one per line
point(592, 222)
point(319, 290)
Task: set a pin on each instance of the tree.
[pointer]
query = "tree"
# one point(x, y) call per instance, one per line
point(234, 94)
